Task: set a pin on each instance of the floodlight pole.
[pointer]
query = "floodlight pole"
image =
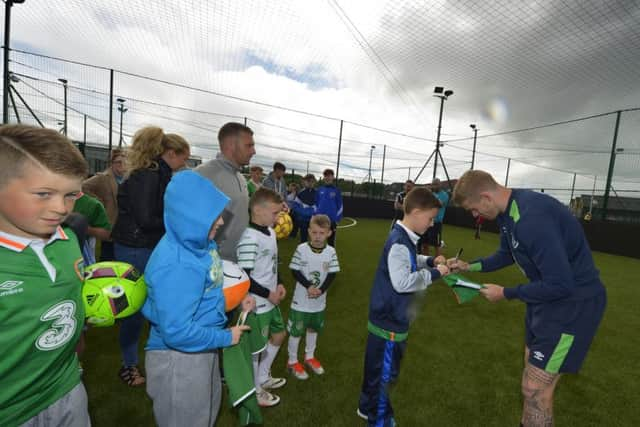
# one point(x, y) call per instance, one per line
point(612, 162)
point(443, 94)
point(475, 136)
point(64, 126)
point(435, 160)
point(122, 110)
point(384, 157)
point(373, 147)
point(339, 149)
point(7, 42)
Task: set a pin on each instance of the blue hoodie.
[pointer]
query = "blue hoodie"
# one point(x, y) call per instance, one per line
point(185, 304)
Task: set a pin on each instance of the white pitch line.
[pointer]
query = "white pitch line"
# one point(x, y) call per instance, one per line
point(348, 225)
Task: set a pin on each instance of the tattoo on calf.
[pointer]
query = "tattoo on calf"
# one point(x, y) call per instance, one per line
point(538, 375)
point(538, 411)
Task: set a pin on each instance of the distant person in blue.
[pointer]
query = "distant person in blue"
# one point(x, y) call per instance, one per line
point(329, 202)
point(433, 236)
point(564, 295)
point(305, 205)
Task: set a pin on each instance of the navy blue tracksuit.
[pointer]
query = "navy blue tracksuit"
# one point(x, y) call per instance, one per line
point(564, 295)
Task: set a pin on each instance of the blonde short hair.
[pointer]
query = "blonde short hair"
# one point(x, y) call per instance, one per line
point(471, 184)
point(44, 147)
point(321, 221)
point(264, 195)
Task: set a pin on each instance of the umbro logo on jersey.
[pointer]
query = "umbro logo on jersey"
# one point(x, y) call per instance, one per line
point(10, 287)
point(537, 355)
point(10, 284)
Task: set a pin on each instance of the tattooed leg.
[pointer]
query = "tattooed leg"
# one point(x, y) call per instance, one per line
point(537, 390)
point(524, 372)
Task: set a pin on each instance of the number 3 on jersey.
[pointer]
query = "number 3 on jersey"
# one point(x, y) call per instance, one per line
point(63, 326)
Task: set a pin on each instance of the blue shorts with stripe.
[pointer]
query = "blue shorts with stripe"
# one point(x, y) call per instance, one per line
point(381, 369)
point(559, 334)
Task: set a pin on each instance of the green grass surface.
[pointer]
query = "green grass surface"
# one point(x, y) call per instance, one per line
point(463, 362)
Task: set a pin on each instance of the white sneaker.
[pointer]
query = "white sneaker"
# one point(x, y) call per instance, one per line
point(297, 370)
point(273, 383)
point(266, 399)
point(315, 365)
point(361, 415)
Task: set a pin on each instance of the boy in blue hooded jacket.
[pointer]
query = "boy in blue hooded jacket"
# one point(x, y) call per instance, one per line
point(186, 308)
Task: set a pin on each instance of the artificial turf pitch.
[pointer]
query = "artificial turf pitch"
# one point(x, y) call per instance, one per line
point(462, 366)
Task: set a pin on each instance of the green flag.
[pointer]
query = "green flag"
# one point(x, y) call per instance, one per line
point(464, 289)
point(238, 371)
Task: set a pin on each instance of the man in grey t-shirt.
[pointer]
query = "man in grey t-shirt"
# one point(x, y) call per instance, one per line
point(236, 149)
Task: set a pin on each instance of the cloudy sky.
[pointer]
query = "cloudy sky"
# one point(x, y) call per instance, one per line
point(295, 69)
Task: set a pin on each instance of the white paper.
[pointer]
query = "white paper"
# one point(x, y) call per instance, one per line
point(467, 284)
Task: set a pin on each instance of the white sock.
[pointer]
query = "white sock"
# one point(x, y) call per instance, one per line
point(256, 360)
point(310, 347)
point(268, 356)
point(294, 343)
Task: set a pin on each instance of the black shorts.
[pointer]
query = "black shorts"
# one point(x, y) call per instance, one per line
point(433, 235)
point(559, 334)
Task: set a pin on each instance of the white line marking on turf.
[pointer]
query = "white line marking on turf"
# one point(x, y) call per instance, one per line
point(348, 225)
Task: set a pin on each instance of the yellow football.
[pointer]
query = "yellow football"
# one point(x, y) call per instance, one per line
point(283, 225)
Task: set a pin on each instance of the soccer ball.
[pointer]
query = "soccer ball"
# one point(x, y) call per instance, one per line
point(112, 290)
point(283, 225)
point(236, 284)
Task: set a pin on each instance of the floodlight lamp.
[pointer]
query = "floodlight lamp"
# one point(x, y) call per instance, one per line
point(472, 126)
point(120, 100)
point(448, 93)
point(438, 90)
point(63, 81)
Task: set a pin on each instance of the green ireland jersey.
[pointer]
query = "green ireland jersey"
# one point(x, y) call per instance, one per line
point(40, 323)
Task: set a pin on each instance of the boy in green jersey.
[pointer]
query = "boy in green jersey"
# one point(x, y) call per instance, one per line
point(41, 310)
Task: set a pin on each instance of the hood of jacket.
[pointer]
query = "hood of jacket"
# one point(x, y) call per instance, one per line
point(191, 205)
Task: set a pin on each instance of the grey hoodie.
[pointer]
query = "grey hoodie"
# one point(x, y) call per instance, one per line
point(225, 174)
point(276, 185)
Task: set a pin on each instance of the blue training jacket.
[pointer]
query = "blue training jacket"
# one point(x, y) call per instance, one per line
point(305, 205)
point(329, 202)
point(184, 277)
point(549, 245)
point(390, 309)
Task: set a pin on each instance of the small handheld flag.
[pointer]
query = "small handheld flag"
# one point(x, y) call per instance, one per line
point(463, 289)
